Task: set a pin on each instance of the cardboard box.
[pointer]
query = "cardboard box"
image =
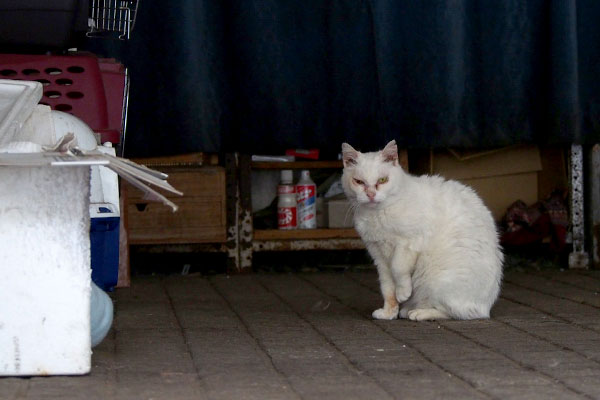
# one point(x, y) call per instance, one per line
point(339, 214)
point(500, 176)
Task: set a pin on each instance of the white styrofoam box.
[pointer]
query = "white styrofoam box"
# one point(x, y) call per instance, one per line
point(45, 268)
point(17, 101)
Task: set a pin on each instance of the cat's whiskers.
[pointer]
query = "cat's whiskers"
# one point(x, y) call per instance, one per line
point(351, 211)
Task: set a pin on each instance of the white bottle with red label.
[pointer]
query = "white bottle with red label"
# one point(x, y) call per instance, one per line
point(286, 203)
point(306, 194)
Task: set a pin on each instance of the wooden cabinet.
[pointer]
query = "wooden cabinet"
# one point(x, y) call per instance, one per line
point(199, 219)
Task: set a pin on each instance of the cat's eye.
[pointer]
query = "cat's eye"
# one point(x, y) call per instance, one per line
point(383, 180)
point(358, 182)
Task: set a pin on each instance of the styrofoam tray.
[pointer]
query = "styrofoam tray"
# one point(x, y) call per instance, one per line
point(17, 101)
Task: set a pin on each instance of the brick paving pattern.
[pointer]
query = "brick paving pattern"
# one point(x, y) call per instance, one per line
point(310, 336)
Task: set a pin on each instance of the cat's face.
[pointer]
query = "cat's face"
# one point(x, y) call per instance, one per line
point(371, 178)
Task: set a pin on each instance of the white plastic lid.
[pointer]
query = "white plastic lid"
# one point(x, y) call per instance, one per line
point(17, 101)
point(287, 176)
point(64, 122)
point(305, 174)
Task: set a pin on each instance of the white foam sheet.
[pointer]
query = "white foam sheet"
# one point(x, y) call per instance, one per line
point(105, 183)
point(17, 101)
point(39, 127)
point(45, 268)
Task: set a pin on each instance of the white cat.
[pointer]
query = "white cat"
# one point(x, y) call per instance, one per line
point(433, 240)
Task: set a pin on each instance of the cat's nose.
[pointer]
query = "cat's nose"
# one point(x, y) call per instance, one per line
point(370, 195)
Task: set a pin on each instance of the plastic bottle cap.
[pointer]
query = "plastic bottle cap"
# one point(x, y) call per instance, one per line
point(305, 174)
point(287, 176)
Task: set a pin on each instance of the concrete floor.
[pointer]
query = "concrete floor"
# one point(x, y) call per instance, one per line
point(310, 336)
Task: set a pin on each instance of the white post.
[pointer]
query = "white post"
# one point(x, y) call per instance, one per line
point(578, 257)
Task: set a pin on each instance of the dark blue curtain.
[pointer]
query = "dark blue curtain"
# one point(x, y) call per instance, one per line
point(262, 76)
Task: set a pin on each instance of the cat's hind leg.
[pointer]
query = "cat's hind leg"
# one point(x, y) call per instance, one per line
point(404, 312)
point(426, 314)
point(406, 307)
point(421, 311)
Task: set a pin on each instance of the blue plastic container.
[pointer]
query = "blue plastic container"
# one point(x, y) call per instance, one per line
point(104, 242)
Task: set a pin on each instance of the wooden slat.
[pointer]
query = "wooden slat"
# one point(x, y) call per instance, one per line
point(124, 275)
point(308, 244)
point(198, 181)
point(331, 164)
point(304, 234)
point(180, 160)
point(296, 165)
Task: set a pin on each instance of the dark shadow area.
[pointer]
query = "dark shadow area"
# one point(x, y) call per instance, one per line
point(180, 263)
point(530, 258)
point(536, 257)
point(312, 261)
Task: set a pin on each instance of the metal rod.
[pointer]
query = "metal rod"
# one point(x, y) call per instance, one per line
point(94, 13)
point(124, 114)
point(112, 16)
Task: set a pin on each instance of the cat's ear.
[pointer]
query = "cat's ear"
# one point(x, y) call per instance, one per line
point(390, 153)
point(349, 155)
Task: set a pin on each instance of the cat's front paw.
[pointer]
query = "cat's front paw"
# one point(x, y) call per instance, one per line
point(386, 313)
point(403, 293)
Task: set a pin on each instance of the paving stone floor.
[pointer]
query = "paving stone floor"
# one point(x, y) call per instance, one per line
point(310, 336)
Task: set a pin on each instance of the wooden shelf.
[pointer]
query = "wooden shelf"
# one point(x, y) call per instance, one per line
point(305, 234)
point(332, 164)
point(182, 160)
